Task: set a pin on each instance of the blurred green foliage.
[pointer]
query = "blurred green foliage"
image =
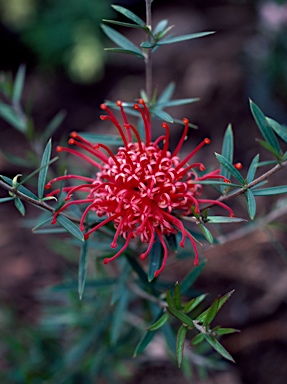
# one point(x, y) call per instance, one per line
point(63, 33)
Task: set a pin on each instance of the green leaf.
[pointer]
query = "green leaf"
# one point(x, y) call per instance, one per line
point(251, 203)
point(181, 316)
point(104, 139)
point(206, 233)
point(72, 228)
point(219, 348)
point(252, 169)
point(175, 103)
point(162, 115)
point(155, 260)
point(180, 339)
point(125, 51)
point(264, 127)
point(176, 297)
point(192, 304)
point(118, 317)
point(190, 278)
point(223, 219)
point(137, 268)
point(222, 301)
point(44, 221)
point(83, 264)
point(230, 168)
point(270, 191)
point(226, 331)
point(53, 125)
point(160, 26)
point(130, 15)
point(211, 312)
point(43, 172)
point(171, 241)
point(269, 148)
point(20, 188)
point(166, 93)
point(4, 199)
point(129, 25)
point(281, 130)
point(121, 40)
point(18, 84)
point(19, 205)
point(197, 339)
point(144, 342)
point(10, 116)
point(147, 44)
point(176, 39)
point(160, 322)
point(227, 153)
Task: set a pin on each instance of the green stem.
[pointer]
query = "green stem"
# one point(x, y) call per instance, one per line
point(148, 57)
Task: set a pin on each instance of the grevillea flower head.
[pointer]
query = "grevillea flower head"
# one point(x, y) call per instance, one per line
point(143, 189)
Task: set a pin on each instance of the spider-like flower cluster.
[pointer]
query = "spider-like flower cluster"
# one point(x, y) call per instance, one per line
point(143, 189)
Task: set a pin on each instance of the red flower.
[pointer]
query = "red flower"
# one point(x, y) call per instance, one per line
point(142, 189)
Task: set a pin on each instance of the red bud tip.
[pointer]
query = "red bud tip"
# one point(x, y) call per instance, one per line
point(68, 198)
point(103, 117)
point(231, 215)
point(156, 273)
point(186, 121)
point(164, 125)
point(195, 263)
point(207, 141)
point(74, 135)
point(202, 168)
point(71, 141)
point(142, 256)
point(114, 245)
point(96, 146)
point(226, 181)
point(82, 228)
point(54, 221)
point(48, 186)
point(86, 236)
point(119, 103)
point(238, 166)
point(136, 106)
point(141, 101)
point(103, 107)
point(59, 148)
point(181, 244)
point(106, 261)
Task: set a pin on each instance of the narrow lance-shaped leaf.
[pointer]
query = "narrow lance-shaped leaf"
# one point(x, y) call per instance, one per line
point(9, 115)
point(211, 312)
point(177, 297)
point(155, 260)
point(20, 206)
point(192, 304)
point(177, 39)
point(166, 93)
point(53, 125)
point(18, 84)
point(118, 317)
point(219, 348)
point(223, 219)
point(160, 322)
point(83, 263)
point(181, 316)
point(43, 172)
point(180, 339)
point(206, 233)
point(230, 168)
point(160, 26)
point(20, 188)
point(281, 130)
point(252, 169)
point(130, 15)
point(125, 51)
point(121, 40)
point(162, 115)
point(264, 127)
point(227, 152)
point(72, 228)
point(270, 191)
point(251, 203)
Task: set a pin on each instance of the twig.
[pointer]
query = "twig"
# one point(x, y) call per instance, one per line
point(148, 56)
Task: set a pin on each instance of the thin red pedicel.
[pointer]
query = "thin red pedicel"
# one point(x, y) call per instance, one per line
point(142, 189)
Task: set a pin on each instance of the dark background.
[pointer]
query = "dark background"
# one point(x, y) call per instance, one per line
point(245, 58)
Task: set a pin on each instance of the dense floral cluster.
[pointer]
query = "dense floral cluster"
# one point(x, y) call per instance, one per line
point(143, 189)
